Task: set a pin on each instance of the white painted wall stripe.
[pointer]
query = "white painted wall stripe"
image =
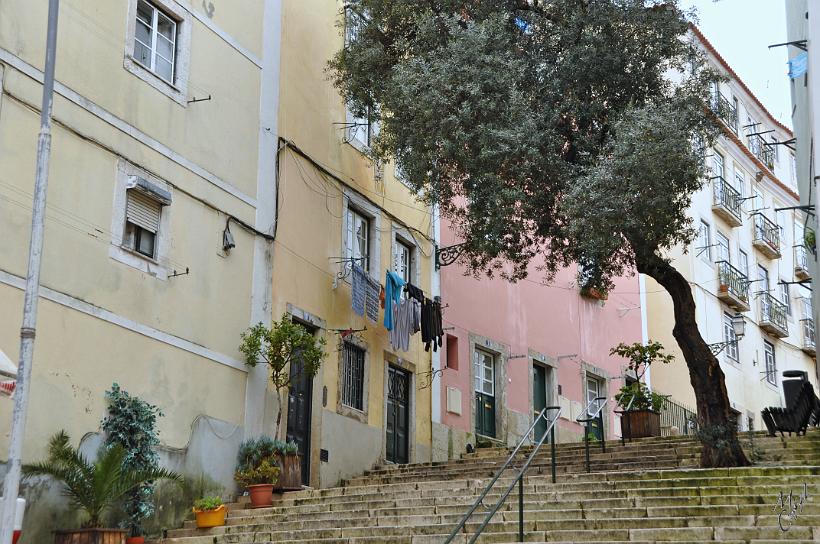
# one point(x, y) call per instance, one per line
point(22, 66)
point(230, 40)
point(81, 306)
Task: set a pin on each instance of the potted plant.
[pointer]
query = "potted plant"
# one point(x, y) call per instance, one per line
point(290, 477)
point(209, 512)
point(131, 423)
point(290, 351)
point(93, 487)
point(640, 406)
point(259, 481)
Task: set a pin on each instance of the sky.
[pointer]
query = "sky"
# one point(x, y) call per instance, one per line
point(741, 31)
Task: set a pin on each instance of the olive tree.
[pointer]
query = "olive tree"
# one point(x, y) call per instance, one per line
point(550, 131)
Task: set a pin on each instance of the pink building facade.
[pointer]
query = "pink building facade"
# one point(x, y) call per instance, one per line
point(512, 348)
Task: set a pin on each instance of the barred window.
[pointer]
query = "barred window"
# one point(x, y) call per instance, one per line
point(353, 376)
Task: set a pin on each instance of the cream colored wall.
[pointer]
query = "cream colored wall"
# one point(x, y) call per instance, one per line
point(309, 234)
point(183, 354)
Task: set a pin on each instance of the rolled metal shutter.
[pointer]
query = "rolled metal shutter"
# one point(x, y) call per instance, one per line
point(142, 211)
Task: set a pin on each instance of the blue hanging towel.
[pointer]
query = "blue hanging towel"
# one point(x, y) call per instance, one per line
point(393, 284)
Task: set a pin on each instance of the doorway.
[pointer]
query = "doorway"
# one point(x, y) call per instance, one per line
point(541, 396)
point(595, 389)
point(300, 399)
point(484, 376)
point(398, 410)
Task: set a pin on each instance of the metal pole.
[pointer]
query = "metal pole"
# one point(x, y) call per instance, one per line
point(552, 449)
point(603, 433)
point(521, 509)
point(586, 443)
point(11, 485)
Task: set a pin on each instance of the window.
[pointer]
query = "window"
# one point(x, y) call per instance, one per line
point(784, 296)
point(730, 338)
point(771, 363)
point(360, 131)
point(142, 219)
point(353, 376)
point(484, 372)
point(358, 238)
point(740, 181)
point(743, 262)
point(736, 117)
point(452, 352)
point(722, 244)
point(403, 260)
point(155, 40)
point(704, 249)
point(758, 200)
point(717, 165)
point(594, 390)
point(763, 276)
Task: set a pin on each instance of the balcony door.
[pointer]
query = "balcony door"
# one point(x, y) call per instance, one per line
point(722, 243)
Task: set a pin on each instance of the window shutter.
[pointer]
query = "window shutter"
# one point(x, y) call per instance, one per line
point(143, 211)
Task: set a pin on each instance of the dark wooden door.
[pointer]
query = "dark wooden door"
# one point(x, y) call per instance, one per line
point(398, 410)
point(300, 398)
point(539, 399)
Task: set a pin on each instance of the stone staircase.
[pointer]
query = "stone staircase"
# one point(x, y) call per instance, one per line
point(648, 490)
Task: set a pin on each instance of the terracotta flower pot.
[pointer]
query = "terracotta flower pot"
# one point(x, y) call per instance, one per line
point(261, 495)
point(211, 518)
point(135, 540)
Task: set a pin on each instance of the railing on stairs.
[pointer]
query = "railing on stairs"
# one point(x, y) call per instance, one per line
point(628, 421)
point(593, 416)
point(519, 479)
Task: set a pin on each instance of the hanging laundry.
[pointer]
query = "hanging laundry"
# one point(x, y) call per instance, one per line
point(416, 323)
point(392, 285)
point(373, 291)
point(432, 329)
point(358, 289)
point(414, 292)
point(402, 324)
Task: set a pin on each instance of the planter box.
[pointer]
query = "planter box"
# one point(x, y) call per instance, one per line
point(641, 424)
point(91, 536)
point(290, 475)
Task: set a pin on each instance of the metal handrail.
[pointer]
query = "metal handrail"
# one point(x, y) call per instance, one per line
point(629, 424)
point(518, 479)
point(600, 418)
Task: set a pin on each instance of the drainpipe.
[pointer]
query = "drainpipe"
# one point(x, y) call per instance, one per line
point(644, 324)
point(435, 286)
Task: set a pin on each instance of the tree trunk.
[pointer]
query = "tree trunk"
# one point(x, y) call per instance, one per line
point(718, 430)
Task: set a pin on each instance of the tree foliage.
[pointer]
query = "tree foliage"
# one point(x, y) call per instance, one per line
point(547, 129)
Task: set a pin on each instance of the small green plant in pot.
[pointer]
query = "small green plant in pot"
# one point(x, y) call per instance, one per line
point(209, 512)
point(258, 470)
point(94, 487)
point(640, 406)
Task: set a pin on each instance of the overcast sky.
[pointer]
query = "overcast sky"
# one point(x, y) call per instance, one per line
point(741, 31)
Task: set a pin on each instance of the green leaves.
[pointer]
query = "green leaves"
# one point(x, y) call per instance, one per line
point(93, 487)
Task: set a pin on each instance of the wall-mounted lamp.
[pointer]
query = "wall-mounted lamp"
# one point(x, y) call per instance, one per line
point(227, 237)
point(739, 329)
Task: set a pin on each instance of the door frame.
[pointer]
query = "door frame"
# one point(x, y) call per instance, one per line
point(314, 472)
point(551, 366)
point(390, 359)
point(605, 379)
point(501, 352)
point(396, 368)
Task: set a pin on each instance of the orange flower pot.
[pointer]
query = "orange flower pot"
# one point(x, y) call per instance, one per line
point(261, 495)
point(135, 540)
point(210, 518)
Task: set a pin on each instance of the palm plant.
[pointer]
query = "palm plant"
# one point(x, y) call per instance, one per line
point(94, 487)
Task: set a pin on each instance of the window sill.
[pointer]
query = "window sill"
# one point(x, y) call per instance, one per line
point(359, 146)
point(352, 413)
point(139, 261)
point(174, 92)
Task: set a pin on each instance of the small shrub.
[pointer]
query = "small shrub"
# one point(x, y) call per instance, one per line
point(206, 504)
point(265, 473)
point(291, 448)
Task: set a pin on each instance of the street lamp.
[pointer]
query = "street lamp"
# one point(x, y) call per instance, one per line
point(738, 328)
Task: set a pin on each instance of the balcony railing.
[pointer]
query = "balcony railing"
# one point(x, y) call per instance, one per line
point(801, 262)
point(773, 315)
point(758, 147)
point(726, 111)
point(766, 236)
point(726, 201)
point(733, 286)
point(809, 345)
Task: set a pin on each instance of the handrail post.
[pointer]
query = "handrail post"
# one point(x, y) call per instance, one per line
point(521, 509)
point(601, 427)
point(586, 443)
point(552, 449)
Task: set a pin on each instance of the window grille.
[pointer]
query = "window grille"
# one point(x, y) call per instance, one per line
point(353, 376)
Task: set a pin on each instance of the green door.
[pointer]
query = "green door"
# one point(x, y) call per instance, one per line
point(484, 377)
point(539, 399)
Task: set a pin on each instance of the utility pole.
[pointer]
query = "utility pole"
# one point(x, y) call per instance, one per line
point(11, 485)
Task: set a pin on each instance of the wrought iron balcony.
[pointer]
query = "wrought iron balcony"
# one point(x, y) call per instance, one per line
point(733, 286)
point(726, 202)
point(764, 153)
point(808, 344)
point(773, 316)
point(726, 111)
point(766, 236)
point(801, 262)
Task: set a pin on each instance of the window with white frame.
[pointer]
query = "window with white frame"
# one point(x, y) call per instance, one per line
point(142, 221)
point(353, 376)
point(155, 40)
point(594, 390)
point(743, 262)
point(722, 246)
point(785, 298)
point(403, 260)
point(484, 372)
point(771, 363)
point(359, 130)
point(740, 181)
point(704, 249)
point(358, 238)
point(717, 165)
point(730, 338)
